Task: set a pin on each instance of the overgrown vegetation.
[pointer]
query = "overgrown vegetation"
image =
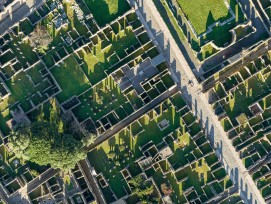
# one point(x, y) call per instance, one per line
point(40, 38)
point(143, 189)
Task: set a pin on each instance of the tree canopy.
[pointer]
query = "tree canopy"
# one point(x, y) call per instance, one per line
point(42, 142)
point(143, 189)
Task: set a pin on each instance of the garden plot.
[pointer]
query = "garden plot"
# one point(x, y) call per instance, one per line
point(179, 156)
point(242, 103)
point(206, 24)
point(203, 14)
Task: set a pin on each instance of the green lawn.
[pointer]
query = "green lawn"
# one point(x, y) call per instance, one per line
point(105, 11)
point(70, 78)
point(34, 73)
point(203, 13)
point(100, 100)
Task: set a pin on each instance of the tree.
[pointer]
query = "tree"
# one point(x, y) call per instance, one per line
point(111, 155)
point(167, 190)
point(42, 143)
point(143, 189)
point(122, 147)
point(40, 38)
point(89, 139)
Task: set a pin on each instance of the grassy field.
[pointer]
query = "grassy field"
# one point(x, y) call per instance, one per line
point(105, 11)
point(70, 78)
point(203, 13)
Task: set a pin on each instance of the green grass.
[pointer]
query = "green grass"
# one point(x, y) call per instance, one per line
point(22, 88)
point(135, 100)
point(178, 101)
point(95, 103)
point(4, 117)
point(246, 94)
point(70, 78)
point(180, 30)
point(44, 112)
point(105, 11)
point(97, 61)
point(203, 13)
point(26, 26)
point(34, 73)
point(27, 51)
point(206, 51)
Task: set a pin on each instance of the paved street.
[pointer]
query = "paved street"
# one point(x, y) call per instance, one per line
point(217, 136)
point(91, 181)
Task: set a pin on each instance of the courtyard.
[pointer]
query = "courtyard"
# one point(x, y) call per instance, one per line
point(203, 13)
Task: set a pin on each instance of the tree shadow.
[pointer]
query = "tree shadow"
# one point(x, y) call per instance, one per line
point(112, 143)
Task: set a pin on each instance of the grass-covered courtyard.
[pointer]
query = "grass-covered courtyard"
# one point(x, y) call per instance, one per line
point(100, 100)
point(70, 78)
point(105, 11)
point(99, 58)
point(203, 13)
